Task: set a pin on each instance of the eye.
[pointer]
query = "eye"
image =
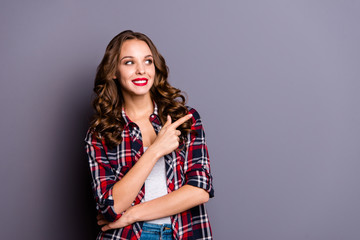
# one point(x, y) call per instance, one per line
point(149, 61)
point(128, 62)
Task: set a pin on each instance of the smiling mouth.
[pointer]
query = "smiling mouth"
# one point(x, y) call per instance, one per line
point(140, 81)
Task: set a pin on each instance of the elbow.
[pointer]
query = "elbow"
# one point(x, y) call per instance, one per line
point(197, 195)
point(200, 195)
point(119, 206)
point(204, 196)
point(108, 211)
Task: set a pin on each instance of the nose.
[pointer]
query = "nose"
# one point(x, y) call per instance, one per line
point(140, 69)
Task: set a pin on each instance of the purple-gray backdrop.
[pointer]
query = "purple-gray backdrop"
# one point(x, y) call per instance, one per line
point(276, 82)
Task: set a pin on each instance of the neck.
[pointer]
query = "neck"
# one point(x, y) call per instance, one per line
point(138, 106)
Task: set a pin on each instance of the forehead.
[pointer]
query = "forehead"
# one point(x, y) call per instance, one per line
point(134, 47)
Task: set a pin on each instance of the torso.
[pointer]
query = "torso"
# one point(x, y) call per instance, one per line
point(147, 131)
point(156, 181)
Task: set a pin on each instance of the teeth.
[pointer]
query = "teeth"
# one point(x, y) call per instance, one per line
point(140, 81)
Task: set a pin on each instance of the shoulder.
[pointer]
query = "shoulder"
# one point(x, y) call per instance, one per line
point(88, 136)
point(196, 115)
point(196, 119)
point(91, 137)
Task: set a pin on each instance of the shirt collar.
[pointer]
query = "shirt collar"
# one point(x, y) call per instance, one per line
point(153, 116)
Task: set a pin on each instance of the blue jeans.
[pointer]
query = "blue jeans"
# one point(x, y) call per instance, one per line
point(152, 231)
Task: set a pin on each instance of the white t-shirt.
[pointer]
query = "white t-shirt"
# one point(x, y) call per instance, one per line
point(155, 186)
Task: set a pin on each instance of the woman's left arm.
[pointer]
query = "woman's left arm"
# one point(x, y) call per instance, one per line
point(178, 201)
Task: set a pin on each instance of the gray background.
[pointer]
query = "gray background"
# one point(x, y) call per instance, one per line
point(276, 83)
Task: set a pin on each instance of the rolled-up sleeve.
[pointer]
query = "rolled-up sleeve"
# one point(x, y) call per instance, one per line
point(103, 176)
point(198, 172)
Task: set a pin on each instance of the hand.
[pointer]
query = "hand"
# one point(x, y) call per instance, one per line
point(123, 221)
point(168, 138)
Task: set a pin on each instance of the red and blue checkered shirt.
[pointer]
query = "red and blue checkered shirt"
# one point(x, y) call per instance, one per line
point(190, 165)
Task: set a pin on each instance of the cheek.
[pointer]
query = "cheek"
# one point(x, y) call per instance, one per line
point(151, 71)
point(125, 73)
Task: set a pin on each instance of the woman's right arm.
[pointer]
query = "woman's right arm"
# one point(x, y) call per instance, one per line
point(114, 197)
point(126, 190)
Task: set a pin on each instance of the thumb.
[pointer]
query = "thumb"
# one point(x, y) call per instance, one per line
point(168, 121)
point(106, 227)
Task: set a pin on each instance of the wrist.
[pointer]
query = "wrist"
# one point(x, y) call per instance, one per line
point(132, 214)
point(155, 153)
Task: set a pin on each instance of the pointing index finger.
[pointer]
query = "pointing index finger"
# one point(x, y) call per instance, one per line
point(181, 120)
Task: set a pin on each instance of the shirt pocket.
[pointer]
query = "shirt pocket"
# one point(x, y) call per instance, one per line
point(121, 163)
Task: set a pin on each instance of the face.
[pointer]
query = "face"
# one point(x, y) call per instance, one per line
point(136, 69)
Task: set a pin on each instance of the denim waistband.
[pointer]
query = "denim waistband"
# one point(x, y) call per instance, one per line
point(161, 228)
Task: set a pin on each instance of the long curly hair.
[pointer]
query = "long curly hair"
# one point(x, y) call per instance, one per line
point(107, 122)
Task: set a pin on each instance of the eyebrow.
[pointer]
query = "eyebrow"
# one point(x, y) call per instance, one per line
point(133, 57)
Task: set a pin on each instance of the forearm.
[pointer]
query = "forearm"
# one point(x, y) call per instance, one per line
point(126, 190)
point(167, 140)
point(173, 203)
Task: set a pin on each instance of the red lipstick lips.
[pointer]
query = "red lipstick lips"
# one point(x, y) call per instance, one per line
point(140, 81)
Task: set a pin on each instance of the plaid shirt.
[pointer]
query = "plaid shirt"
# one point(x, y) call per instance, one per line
point(190, 166)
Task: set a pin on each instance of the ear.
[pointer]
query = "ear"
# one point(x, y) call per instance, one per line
point(114, 77)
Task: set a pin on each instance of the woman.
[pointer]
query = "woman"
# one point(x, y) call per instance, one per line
point(146, 149)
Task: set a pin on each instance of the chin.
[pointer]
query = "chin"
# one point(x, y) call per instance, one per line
point(140, 93)
point(137, 91)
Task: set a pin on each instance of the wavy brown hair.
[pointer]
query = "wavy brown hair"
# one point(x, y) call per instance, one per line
point(107, 120)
